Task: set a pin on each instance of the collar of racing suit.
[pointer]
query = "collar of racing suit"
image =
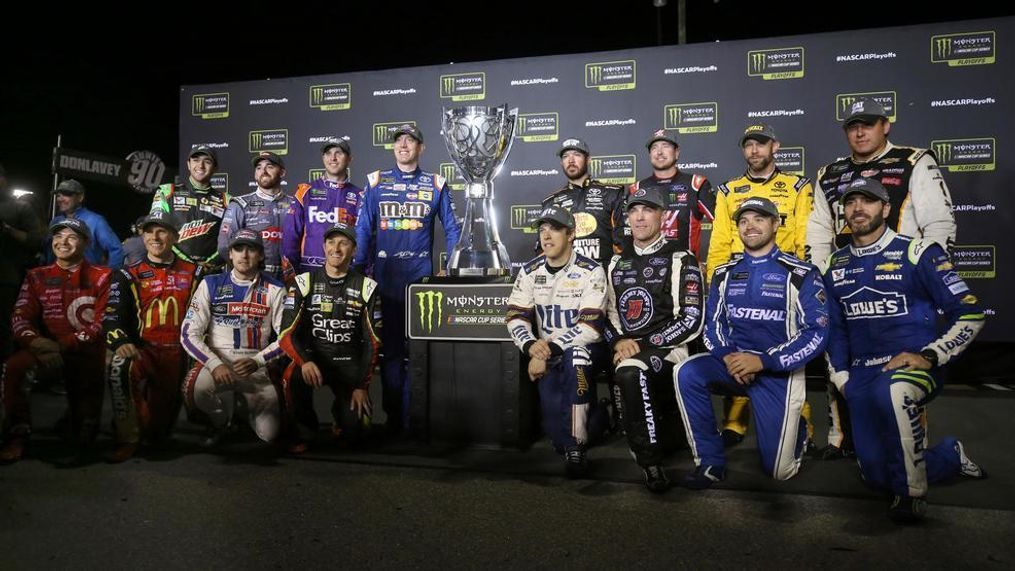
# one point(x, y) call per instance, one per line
point(568, 264)
point(651, 248)
point(236, 279)
point(754, 260)
point(408, 175)
point(193, 185)
point(876, 247)
point(888, 146)
point(775, 172)
point(271, 197)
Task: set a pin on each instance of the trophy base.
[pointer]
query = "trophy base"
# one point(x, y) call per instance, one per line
point(467, 272)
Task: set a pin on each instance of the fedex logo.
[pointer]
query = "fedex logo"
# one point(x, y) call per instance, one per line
point(325, 217)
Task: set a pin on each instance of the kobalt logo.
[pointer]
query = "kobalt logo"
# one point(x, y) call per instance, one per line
point(878, 304)
point(428, 303)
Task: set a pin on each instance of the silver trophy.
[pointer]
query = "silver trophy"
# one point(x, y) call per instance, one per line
point(479, 140)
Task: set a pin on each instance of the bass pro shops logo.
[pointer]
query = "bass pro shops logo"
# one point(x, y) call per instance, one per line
point(274, 140)
point(381, 133)
point(965, 155)
point(611, 75)
point(971, 48)
point(210, 105)
point(429, 303)
point(331, 97)
point(782, 63)
point(844, 103)
point(463, 86)
point(687, 118)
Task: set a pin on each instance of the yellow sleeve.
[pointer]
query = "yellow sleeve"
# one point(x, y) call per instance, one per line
point(719, 245)
point(802, 212)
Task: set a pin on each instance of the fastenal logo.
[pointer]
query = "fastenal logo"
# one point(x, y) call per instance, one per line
point(791, 160)
point(611, 75)
point(454, 177)
point(463, 86)
point(220, 181)
point(536, 127)
point(614, 169)
point(331, 97)
point(382, 133)
point(522, 216)
point(965, 155)
point(975, 261)
point(274, 140)
point(692, 117)
point(429, 303)
point(210, 105)
point(782, 63)
point(844, 101)
point(970, 48)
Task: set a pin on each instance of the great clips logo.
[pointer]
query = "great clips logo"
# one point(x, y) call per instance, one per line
point(611, 75)
point(965, 155)
point(782, 63)
point(381, 133)
point(844, 102)
point(463, 86)
point(210, 105)
point(331, 97)
point(970, 48)
point(274, 140)
point(692, 117)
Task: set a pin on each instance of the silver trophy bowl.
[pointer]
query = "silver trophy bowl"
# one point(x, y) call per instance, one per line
point(479, 140)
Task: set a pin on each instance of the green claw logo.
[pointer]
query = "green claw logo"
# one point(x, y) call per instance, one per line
point(427, 300)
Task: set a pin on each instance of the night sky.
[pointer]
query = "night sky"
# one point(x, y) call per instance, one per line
point(108, 79)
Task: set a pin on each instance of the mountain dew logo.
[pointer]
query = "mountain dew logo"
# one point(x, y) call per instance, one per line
point(426, 301)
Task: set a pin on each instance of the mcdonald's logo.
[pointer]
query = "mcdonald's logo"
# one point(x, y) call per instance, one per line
point(426, 301)
point(161, 307)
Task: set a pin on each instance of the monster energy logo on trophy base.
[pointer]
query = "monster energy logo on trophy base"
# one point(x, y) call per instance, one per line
point(965, 155)
point(784, 63)
point(331, 97)
point(479, 140)
point(971, 48)
point(210, 105)
point(274, 140)
point(472, 312)
point(687, 118)
point(382, 133)
point(844, 101)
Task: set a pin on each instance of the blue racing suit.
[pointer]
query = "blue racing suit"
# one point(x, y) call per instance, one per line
point(884, 301)
point(775, 306)
point(394, 234)
point(260, 212)
point(104, 249)
point(315, 208)
point(564, 306)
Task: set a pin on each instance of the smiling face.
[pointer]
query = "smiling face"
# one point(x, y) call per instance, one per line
point(757, 231)
point(69, 246)
point(407, 151)
point(336, 162)
point(69, 201)
point(158, 241)
point(663, 155)
point(201, 168)
point(865, 215)
point(645, 222)
point(268, 175)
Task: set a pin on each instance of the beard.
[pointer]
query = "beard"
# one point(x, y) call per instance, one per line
point(579, 172)
point(267, 180)
point(861, 229)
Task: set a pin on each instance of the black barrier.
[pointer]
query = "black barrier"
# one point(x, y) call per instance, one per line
point(943, 84)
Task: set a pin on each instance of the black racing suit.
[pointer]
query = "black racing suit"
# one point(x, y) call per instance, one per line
point(654, 296)
point(598, 211)
point(335, 324)
point(197, 214)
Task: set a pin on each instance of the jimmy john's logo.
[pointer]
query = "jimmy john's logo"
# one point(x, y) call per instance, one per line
point(537, 127)
point(210, 105)
point(611, 75)
point(220, 181)
point(331, 97)
point(463, 86)
point(844, 103)
point(977, 262)
point(965, 155)
point(692, 117)
point(614, 169)
point(382, 132)
point(274, 140)
point(454, 177)
point(429, 304)
point(782, 63)
point(791, 160)
point(970, 48)
point(522, 216)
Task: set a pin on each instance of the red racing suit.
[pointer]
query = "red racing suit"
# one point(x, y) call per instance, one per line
point(147, 302)
point(62, 305)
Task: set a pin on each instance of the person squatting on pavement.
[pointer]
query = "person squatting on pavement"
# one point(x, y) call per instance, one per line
point(230, 330)
point(654, 305)
point(555, 316)
point(331, 331)
point(317, 207)
point(147, 300)
point(921, 207)
point(196, 210)
point(766, 317)
point(394, 235)
point(261, 211)
point(793, 196)
point(886, 351)
point(57, 324)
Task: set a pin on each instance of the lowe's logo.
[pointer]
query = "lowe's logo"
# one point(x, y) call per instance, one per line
point(869, 303)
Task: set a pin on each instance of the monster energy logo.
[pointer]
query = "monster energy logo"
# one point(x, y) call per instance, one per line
point(463, 86)
point(199, 103)
point(692, 117)
point(595, 167)
point(256, 140)
point(522, 122)
point(944, 47)
point(757, 62)
point(943, 151)
point(536, 127)
point(450, 173)
point(845, 103)
point(613, 169)
point(315, 174)
point(210, 105)
point(427, 300)
point(220, 181)
point(673, 115)
point(316, 96)
point(331, 97)
point(447, 85)
point(611, 75)
point(522, 216)
point(781, 63)
point(595, 74)
point(276, 140)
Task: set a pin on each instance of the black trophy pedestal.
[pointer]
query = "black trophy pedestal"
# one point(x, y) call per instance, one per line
point(468, 386)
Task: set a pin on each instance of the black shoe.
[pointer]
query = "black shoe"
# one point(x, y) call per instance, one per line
point(833, 452)
point(731, 438)
point(905, 509)
point(576, 464)
point(656, 480)
point(703, 477)
point(967, 467)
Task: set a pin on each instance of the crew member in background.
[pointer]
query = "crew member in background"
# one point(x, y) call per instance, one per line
point(104, 247)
